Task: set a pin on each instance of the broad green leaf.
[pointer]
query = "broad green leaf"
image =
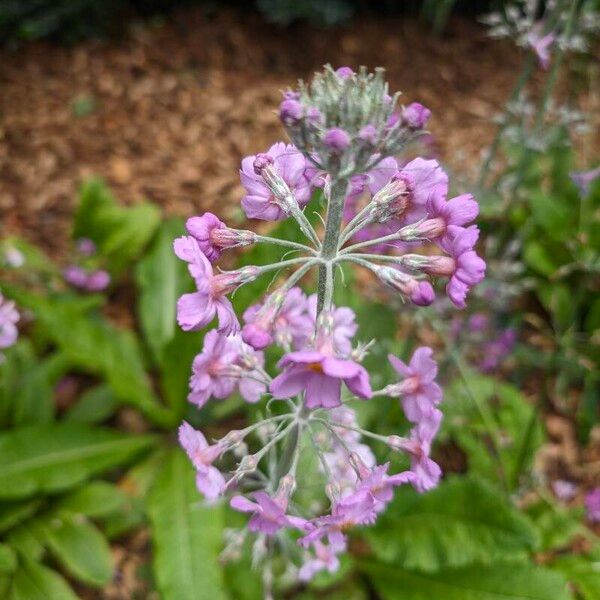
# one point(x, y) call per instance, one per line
point(539, 259)
point(8, 559)
point(27, 385)
point(583, 572)
point(476, 582)
point(93, 406)
point(162, 278)
point(187, 536)
point(78, 546)
point(95, 499)
point(33, 581)
point(135, 484)
point(13, 513)
point(120, 232)
point(91, 343)
point(482, 407)
point(461, 522)
point(557, 525)
point(25, 539)
point(52, 458)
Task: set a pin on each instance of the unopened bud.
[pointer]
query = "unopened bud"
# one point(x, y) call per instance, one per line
point(248, 464)
point(336, 139)
point(261, 162)
point(290, 112)
point(333, 491)
point(287, 486)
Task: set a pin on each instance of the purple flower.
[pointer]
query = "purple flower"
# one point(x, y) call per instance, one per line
point(250, 379)
point(415, 115)
point(85, 246)
point(424, 473)
point(212, 373)
point(564, 490)
point(213, 236)
point(97, 281)
point(259, 202)
point(198, 309)
point(344, 326)
point(9, 318)
point(495, 351)
point(592, 505)
point(325, 557)
point(368, 134)
point(344, 72)
point(336, 139)
point(419, 292)
point(269, 514)
point(419, 392)
point(584, 179)
point(209, 479)
point(381, 485)
point(283, 319)
point(441, 213)
point(75, 276)
point(290, 111)
point(541, 43)
point(320, 376)
point(355, 509)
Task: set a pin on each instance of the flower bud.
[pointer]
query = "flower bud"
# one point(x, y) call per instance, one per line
point(336, 139)
point(420, 292)
point(415, 115)
point(290, 112)
point(368, 135)
point(261, 162)
point(344, 72)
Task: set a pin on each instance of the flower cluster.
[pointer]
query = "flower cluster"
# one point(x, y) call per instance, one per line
point(541, 26)
point(9, 317)
point(81, 276)
point(346, 131)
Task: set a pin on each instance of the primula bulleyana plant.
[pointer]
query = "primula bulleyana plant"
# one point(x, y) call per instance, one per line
point(346, 131)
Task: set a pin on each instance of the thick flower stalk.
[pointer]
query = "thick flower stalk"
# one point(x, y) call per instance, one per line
point(393, 219)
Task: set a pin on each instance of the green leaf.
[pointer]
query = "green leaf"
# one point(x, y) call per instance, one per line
point(505, 414)
point(78, 546)
point(91, 343)
point(121, 233)
point(539, 259)
point(95, 499)
point(52, 458)
point(461, 522)
point(94, 406)
point(477, 582)
point(187, 536)
point(8, 559)
point(13, 513)
point(583, 571)
point(162, 278)
point(33, 581)
point(557, 525)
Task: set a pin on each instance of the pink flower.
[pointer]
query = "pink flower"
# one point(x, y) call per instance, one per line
point(344, 325)
point(213, 236)
point(320, 376)
point(78, 277)
point(325, 558)
point(9, 318)
point(592, 505)
point(97, 281)
point(198, 309)
point(541, 44)
point(424, 473)
point(419, 392)
point(355, 509)
point(212, 373)
point(259, 203)
point(209, 479)
point(584, 179)
point(415, 115)
point(269, 514)
point(464, 268)
point(441, 213)
point(280, 318)
point(336, 139)
point(250, 379)
point(381, 485)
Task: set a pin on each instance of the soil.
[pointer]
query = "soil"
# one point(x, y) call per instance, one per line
point(168, 112)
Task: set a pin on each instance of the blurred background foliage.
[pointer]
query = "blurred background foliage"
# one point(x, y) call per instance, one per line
point(72, 20)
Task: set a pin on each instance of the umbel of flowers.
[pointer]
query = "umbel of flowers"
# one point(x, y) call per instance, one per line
point(346, 131)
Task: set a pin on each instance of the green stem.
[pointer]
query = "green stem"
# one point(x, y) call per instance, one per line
point(333, 222)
